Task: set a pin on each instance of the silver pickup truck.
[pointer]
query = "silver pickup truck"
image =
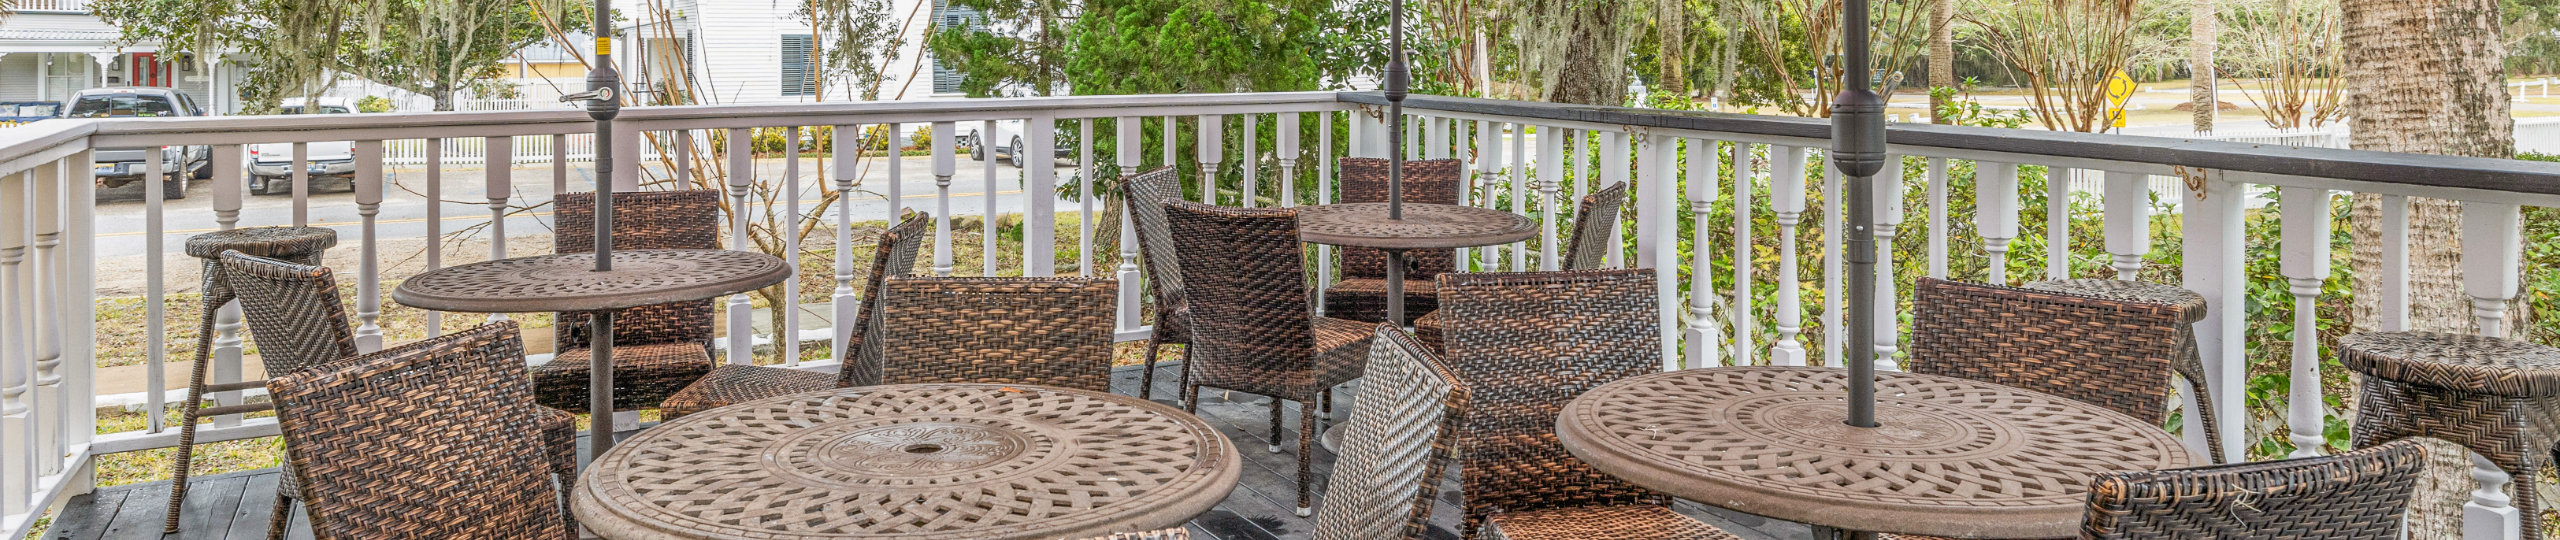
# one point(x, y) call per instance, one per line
point(117, 167)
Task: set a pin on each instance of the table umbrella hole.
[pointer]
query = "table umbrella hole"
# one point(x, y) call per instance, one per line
point(924, 448)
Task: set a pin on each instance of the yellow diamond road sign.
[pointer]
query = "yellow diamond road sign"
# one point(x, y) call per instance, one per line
point(2119, 91)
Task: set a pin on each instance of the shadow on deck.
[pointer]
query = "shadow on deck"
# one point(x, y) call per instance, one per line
point(237, 505)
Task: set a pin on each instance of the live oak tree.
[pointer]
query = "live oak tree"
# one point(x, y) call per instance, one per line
point(297, 47)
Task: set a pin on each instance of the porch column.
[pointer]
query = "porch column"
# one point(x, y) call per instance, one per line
point(104, 59)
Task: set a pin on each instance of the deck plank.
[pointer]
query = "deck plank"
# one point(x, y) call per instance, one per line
point(144, 506)
point(210, 503)
point(85, 516)
point(257, 506)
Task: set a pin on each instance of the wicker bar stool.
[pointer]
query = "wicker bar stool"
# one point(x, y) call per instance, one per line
point(894, 255)
point(1525, 344)
point(2498, 398)
point(1145, 194)
point(2191, 309)
point(356, 429)
point(295, 314)
point(1362, 293)
point(299, 244)
point(1405, 425)
point(1593, 220)
point(1044, 331)
point(1245, 274)
point(2358, 495)
point(657, 349)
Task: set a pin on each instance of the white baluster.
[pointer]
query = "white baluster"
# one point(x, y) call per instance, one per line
point(499, 169)
point(368, 183)
point(44, 286)
point(1248, 162)
point(1743, 324)
point(1084, 185)
point(1519, 192)
point(2057, 222)
point(786, 339)
point(944, 166)
point(1613, 163)
point(896, 149)
point(227, 351)
point(2305, 220)
point(843, 302)
point(1995, 215)
point(742, 174)
point(1325, 267)
point(1786, 198)
point(155, 304)
point(2491, 247)
point(987, 214)
point(2391, 312)
point(79, 307)
point(1211, 137)
point(560, 162)
point(2128, 203)
point(301, 185)
point(1172, 133)
point(1888, 218)
point(2490, 514)
point(1435, 137)
point(1550, 179)
point(1938, 212)
point(2212, 265)
point(1130, 157)
point(1287, 145)
point(1658, 172)
point(435, 223)
point(1704, 338)
point(17, 418)
point(1039, 198)
point(1835, 309)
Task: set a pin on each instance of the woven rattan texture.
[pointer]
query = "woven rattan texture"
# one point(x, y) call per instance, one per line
point(2110, 352)
point(1525, 344)
point(288, 243)
point(1252, 327)
point(1594, 217)
point(2358, 495)
point(2191, 306)
point(643, 375)
point(1633, 522)
point(1437, 181)
point(2466, 362)
point(1146, 194)
point(414, 442)
point(1044, 331)
point(1405, 425)
point(2486, 394)
point(921, 462)
point(894, 255)
point(1176, 533)
point(732, 384)
point(687, 219)
point(1365, 300)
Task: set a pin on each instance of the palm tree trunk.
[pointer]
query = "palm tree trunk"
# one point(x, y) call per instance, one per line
point(1942, 58)
point(1674, 26)
point(2424, 76)
point(2204, 34)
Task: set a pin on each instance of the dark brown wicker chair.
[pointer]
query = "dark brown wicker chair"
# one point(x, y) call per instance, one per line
point(1524, 344)
point(657, 349)
point(1044, 331)
point(1146, 194)
point(299, 244)
point(1595, 219)
point(2110, 352)
point(294, 313)
point(416, 442)
point(1251, 327)
point(2191, 307)
point(1362, 293)
point(1405, 425)
point(2358, 495)
point(2495, 397)
point(894, 255)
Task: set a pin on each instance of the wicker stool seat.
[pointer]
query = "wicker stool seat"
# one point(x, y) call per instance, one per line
point(2496, 397)
point(730, 384)
point(1630, 522)
point(2191, 309)
point(642, 375)
point(299, 245)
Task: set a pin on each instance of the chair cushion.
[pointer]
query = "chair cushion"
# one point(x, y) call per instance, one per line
point(643, 375)
point(1635, 522)
point(732, 384)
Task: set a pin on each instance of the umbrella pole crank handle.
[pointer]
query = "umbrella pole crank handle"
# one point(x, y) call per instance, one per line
point(599, 385)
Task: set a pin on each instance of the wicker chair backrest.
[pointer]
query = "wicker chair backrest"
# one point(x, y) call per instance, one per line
point(292, 310)
point(2358, 495)
point(895, 256)
point(1595, 228)
point(1525, 344)
point(1246, 278)
point(688, 219)
point(1044, 331)
point(2113, 353)
point(1146, 194)
point(360, 432)
point(1437, 181)
point(1404, 427)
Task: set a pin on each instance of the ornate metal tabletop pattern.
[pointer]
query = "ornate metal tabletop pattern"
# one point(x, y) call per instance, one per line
point(569, 282)
point(1425, 226)
point(926, 461)
point(1952, 457)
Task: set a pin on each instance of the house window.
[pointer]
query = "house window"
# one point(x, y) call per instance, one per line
point(799, 77)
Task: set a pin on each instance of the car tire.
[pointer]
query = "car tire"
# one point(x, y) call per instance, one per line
point(978, 147)
point(260, 185)
point(204, 170)
point(175, 187)
point(1018, 158)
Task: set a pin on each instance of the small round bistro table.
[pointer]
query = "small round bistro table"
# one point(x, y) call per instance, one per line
point(915, 462)
point(1951, 457)
point(570, 282)
point(1424, 226)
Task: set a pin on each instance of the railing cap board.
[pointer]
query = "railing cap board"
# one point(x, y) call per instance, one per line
point(24, 147)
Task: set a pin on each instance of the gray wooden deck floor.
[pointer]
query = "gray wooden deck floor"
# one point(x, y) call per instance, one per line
point(237, 505)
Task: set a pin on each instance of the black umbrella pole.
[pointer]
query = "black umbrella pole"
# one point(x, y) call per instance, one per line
point(604, 103)
point(1399, 79)
point(1857, 148)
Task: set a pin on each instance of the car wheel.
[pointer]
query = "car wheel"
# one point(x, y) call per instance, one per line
point(977, 147)
point(175, 188)
point(1018, 158)
point(204, 170)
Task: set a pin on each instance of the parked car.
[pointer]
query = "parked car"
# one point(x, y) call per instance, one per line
point(271, 164)
point(13, 113)
point(1009, 131)
point(120, 166)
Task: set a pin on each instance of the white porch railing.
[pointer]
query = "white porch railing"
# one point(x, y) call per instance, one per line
point(1525, 157)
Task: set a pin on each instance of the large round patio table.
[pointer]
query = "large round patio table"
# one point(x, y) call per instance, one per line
point(1950, 457)
point(570, 282)
point(1423, 226)
point(917, 462)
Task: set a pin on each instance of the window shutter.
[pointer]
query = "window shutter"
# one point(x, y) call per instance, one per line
point(797, 79)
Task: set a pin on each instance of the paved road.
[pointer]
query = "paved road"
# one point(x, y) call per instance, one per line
point(122, 216)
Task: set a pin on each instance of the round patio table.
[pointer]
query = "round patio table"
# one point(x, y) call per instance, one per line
point(1951, 457)
point(1424, 226)
point(914, 461)
point(570, 282)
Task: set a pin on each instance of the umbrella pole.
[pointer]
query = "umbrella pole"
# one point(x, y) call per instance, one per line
point(603, 103)
point(1398, 79)
point(1857, 148)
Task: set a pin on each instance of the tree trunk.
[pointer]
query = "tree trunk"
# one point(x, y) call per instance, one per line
point(2204, 35)
point(1593, 68)
point(1674, 26)
point(444, 97)
point(1942, 58)
point(2424, 76)
point(1727, 60)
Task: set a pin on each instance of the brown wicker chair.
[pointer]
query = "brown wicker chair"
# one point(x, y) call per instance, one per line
point(1524, 344)
point(2110, 352)
point(1252, 329)
point(2190, 364)
point(2358, 495)
point(2495, 397)
point(360, 431)
point(1044, 331)
point(1594, 221)
point(1405, 425)
point(299, 244)
point(894, 255)
point(1362, 293)
point(657, 349)
point(1146, 194)
point(294, 313)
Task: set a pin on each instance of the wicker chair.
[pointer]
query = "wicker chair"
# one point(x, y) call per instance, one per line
point(1362, 293)
point(2110, 352)
point(1251, 327)
point(2498, 398)
point(1594, 221)
point(1176, 533)
point(1146, 194)
point(2190, 364)
point(299, 244)
point(894, 255)
point(2358, 495)
point(294, 313)
point(657, 349)
point(1044, 331)
point(356, 429)
point(1405, 425)
point(1524, 344)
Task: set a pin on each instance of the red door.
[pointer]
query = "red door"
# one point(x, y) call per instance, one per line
point(145, 69)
